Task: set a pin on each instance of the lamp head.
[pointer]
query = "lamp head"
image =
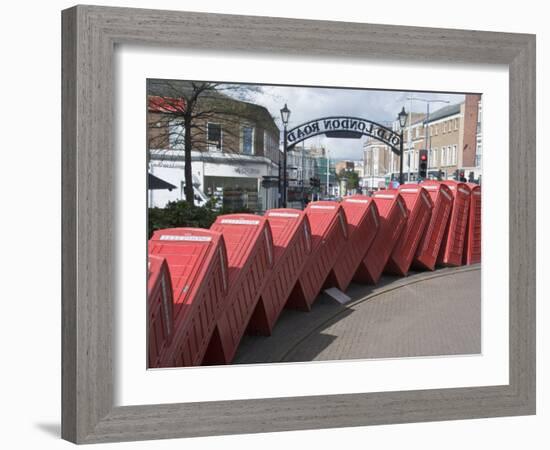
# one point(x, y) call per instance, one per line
point(285, 115)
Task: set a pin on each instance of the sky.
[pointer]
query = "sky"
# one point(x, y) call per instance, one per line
point(307, 103)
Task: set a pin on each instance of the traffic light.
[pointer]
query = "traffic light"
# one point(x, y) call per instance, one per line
point(423, 163)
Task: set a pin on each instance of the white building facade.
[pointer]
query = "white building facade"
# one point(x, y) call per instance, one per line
point(213, 173)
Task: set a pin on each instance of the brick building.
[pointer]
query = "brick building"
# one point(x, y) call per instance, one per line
point(234, 144)
point(343, 165)
point(380, 161)
point(451, 134)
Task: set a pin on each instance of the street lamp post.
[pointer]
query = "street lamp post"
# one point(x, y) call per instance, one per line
point(401, 159)
point(328, 171)
point(279, 189)
point(303, 176)
point(427, 140)
point(285, 114)
point(409, 142)
point(402, 117)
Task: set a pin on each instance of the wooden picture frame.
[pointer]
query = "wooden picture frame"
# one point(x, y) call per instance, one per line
point(89, 37)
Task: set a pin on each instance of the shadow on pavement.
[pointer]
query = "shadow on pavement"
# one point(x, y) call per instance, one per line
point(292, 327)
point(306, 353)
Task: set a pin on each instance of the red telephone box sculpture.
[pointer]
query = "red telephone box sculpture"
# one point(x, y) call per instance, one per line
point(472, 247)
point(363, 222)
point(291, 250)
point(160, 308)
point(452, 247)
point(428, 249)
point(197, 263)
point(419, 208)
point(393, 217)
point(250, 259)
point(329, 234)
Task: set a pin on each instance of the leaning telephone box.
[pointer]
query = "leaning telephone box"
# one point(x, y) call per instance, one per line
point(159, 308)
point(250, 258)
point(197, 263)
point(472, 246)
point(291, 249)
point(393, 217)
point(419, 208)
point(428, 249)
point(363, 221)
point(452, 247)
point(329, 233)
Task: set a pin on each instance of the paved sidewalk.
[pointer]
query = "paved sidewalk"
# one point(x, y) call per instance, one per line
point(424, 314)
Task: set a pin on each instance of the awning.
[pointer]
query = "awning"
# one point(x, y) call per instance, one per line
point(154, 183)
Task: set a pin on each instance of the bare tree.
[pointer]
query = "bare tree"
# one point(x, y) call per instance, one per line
point(185, 108)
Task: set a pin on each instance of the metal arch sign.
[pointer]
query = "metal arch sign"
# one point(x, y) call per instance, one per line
point(345, 125)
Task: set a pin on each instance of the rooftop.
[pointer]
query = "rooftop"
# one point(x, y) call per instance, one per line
point(175, 92)
point(446, 111)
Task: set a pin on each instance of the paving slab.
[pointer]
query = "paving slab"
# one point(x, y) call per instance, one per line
point(424, 314)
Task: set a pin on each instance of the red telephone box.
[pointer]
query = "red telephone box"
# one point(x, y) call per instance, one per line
point(329, 233)
point(472, 247)
point(250, 259)
point(393, 217)
point(159, 308)
point(428, 249)
point(452, 247)
point(419, 208)
point(363, 222)
point(291, 249)
point(197, 264)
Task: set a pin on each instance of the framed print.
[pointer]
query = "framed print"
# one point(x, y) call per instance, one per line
point(130, 79)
